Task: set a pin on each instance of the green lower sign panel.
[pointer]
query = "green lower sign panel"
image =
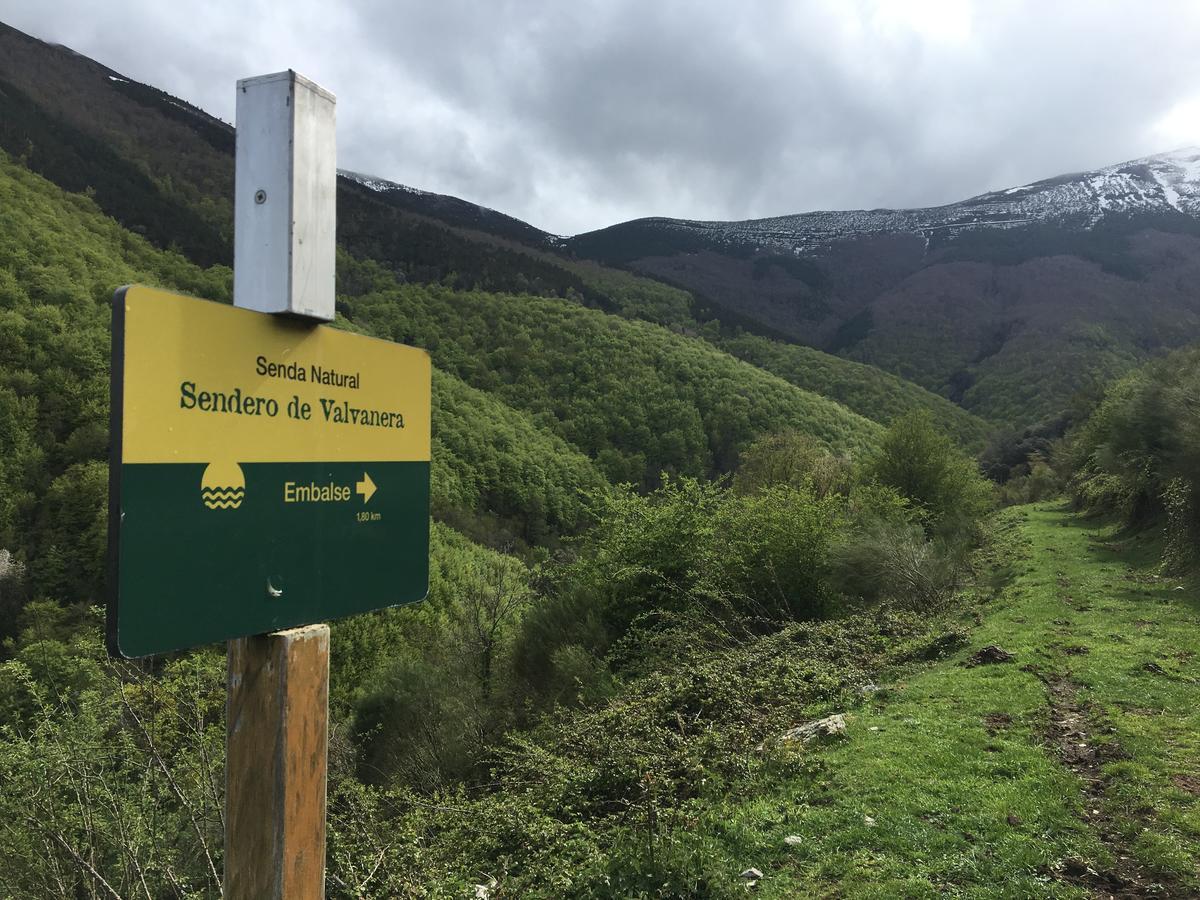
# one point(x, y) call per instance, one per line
point(211, 552)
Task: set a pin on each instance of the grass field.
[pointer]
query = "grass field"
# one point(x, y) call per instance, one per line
point(1071, 770)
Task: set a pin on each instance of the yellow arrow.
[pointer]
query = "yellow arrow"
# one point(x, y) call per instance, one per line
point(366, 487)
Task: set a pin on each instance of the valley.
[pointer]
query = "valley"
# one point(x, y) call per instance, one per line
point(835, 554)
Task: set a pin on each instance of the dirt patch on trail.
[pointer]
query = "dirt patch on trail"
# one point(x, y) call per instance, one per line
point(1070, 736)
point(996, 722)
point(1188, 783)
point(989, 654)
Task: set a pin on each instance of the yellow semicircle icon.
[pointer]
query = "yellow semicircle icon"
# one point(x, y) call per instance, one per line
point(223, 486)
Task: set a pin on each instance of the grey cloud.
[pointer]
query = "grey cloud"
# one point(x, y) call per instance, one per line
point(574, 115)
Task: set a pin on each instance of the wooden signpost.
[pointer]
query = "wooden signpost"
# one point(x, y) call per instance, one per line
point(275, 764)
point(268, 473)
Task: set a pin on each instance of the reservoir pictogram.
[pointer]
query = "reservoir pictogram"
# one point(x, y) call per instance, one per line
point(223, 486)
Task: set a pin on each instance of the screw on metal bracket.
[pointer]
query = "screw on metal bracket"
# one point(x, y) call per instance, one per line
point(260, 196)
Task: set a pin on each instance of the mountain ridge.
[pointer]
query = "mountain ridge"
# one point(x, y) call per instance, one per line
point(90, 129)
point(1159, 183)
point(1086, 194)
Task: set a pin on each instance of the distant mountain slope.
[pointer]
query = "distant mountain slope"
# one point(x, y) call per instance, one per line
point(451, 210)
point(164, 169)
point(142, 150)
point(1008, 303)
point(634, 396)
point(868, 390)
point(157, 133)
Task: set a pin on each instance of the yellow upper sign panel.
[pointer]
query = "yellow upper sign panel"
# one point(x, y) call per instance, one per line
point(205, 381)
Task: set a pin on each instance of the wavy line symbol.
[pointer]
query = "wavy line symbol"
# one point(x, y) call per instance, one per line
point(223, 486)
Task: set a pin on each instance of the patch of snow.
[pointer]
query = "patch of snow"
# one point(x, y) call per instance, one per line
point(1169, 192)
point(381, 185)
point(121, 80)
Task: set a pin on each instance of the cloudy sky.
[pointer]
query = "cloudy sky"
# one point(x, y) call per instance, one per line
point(574, 114)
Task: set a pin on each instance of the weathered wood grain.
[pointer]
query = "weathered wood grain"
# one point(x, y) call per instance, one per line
point(277, 721)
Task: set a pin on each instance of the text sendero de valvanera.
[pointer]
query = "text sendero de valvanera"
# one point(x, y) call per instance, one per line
point(243, 403)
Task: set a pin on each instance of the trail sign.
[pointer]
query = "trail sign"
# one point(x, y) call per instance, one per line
point(266, 473)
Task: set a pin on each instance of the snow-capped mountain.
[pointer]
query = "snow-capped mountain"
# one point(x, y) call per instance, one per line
point(1007, 302)
point(1164, 183)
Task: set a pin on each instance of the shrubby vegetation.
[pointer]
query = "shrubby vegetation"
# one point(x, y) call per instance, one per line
point(1136, 456)
point(945, 487)
point(787, 542)
point(555, 730)
point(114, 772)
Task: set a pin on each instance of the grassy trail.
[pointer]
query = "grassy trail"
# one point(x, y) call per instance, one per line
point(1072, 770)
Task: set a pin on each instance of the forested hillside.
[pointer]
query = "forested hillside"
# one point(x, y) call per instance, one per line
point(865, 389)
point(61, 259)
point(635, 397)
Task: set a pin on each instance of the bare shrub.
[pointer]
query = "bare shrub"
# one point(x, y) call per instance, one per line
point(896, 562)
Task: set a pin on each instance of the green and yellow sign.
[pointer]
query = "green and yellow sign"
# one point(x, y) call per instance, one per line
point(266, 473)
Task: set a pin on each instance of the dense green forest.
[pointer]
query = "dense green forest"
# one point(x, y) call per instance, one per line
point(864, 389)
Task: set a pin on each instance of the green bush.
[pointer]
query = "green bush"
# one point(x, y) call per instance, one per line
point(108, 762)
point(923, 465)
point(694, 544)
point(428, 687)
point(1137, 455)
point(794, 459)
point(558, 655)
point(417, 725)
point(1040, 483)
point(770, 552)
